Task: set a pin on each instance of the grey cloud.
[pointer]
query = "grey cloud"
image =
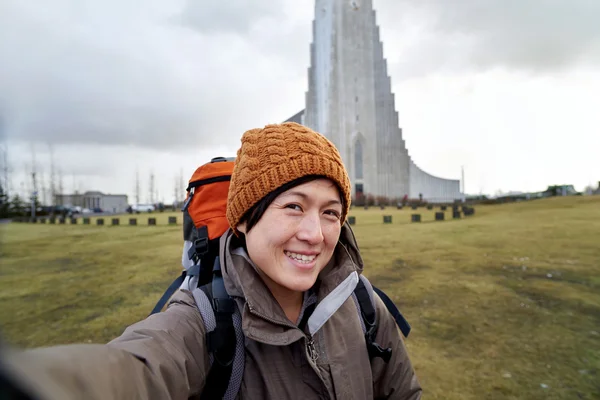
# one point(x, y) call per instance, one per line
point(536, 36)
point(232, 16)
point(181, 74)
point(114, 73)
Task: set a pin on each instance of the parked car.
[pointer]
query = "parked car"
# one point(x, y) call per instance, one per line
point(138, 208)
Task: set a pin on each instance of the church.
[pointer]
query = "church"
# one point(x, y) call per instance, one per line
point(350, 101)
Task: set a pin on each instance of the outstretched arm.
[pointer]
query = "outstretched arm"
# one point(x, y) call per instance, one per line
point(161, 357)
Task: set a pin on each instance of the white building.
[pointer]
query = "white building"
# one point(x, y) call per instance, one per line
point(350, 101)
point(115, 203)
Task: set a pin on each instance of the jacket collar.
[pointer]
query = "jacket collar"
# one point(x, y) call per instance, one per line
point(263, 319)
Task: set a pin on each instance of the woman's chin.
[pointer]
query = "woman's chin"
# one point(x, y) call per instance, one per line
point(300, 284)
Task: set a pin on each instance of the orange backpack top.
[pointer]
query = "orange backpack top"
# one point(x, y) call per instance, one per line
point(206, 200)
point(204, 222)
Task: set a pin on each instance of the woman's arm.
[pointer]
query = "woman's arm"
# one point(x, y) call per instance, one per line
point(161, 357)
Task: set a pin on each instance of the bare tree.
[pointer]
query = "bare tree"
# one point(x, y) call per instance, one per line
point(175, 191)
point(43, 188)
point(26, 184)
point(182, 186)
point(34, 187)
point(60, 186)
point(151, 189)
point(52, 176)
point(156, 194)
point(137, 186)
point(6, 184)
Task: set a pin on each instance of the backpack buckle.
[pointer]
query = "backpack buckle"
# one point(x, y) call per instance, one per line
point(201, 246)
point(374, 349)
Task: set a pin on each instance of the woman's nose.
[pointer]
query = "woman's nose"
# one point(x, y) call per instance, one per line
point(310, 230)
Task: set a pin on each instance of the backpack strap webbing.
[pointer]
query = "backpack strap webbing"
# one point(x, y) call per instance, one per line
point(389, 304)
point(367, 311)
point(176, 284)
point(200, 247)
point(221, 341)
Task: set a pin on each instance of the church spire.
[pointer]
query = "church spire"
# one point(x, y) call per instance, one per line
point(349, 100)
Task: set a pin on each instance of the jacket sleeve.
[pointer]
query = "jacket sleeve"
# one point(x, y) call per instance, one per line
point(161, 357)
point(397, 379)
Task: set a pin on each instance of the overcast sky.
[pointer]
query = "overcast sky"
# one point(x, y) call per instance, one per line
point(508, 88)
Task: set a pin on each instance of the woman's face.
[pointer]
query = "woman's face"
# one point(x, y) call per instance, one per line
point(296, 236)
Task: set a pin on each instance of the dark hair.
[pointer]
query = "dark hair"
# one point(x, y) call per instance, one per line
point(255, 213)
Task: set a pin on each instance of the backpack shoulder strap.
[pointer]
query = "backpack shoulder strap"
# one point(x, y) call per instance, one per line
point(389, 304)
point(365, 304)
point(369, 317)
point(169, 293)
point(224, 338)
point(176, 284)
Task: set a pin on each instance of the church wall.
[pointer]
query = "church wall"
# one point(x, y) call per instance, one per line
point(433, 188)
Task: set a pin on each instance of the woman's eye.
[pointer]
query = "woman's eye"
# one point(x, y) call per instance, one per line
point(294, 207)
point(333, 213)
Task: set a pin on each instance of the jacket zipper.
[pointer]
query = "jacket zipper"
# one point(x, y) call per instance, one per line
point(311, 353)
point(311, 350)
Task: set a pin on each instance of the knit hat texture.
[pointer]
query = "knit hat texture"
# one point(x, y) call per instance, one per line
point(275, 155)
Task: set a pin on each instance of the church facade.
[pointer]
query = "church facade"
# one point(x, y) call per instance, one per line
point(350, 101)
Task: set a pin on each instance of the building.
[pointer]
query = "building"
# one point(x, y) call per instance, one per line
point(350, 101)
point(115, 203)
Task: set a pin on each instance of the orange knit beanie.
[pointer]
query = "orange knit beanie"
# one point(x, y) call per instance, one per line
point(278, 154)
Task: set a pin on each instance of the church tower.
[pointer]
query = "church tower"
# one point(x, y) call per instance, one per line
point(350, 101)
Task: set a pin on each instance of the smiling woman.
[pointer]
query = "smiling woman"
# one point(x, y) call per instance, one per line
point(294, 238)
point(308, 324)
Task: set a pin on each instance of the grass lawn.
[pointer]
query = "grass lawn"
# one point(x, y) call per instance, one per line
point(504, 304)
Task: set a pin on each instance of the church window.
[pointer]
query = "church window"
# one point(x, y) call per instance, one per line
point(358, 160)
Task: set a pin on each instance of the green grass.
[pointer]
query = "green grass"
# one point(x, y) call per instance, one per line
point(500, 302)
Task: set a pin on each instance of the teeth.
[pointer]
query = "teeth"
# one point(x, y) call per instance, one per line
point(300, 257)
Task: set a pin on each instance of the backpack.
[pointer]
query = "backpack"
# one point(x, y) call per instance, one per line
point(204, 222)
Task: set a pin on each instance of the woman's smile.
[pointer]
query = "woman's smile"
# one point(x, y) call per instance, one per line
point(302, 260)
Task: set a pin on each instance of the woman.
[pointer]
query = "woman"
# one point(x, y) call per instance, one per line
point(287, 250)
